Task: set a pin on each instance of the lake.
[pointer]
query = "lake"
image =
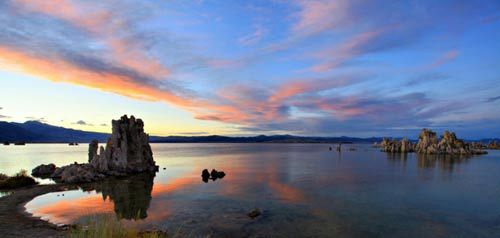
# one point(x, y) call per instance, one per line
point(303, 190)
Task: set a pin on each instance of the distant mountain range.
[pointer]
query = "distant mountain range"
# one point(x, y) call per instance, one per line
point(38, 132)
point(35, 131)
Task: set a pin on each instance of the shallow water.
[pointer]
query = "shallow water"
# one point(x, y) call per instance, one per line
point(304, 190)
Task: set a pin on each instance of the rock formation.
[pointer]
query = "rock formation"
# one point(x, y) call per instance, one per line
point(93, 146)
point(44, 170)
point(429, 144)
point(394, 146)
point(214, 175)
point(128, 149)
point(494, 145)
point(127, 152)
point(449, 144)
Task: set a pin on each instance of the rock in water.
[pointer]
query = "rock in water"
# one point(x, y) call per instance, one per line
point(449, 144)
point(429, 144)
point(393, 146)
point(127, 152)
point(254, 213)
point(93, 146)
point(128, 149)
point(493, 145)
point(427, 141)
point(205, 175)
point(44, 170)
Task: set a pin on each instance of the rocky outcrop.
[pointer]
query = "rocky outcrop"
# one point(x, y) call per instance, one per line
point(93, 146)
point(494, 145)
point(394, 146)
point(127, 152)
point(128, 149)
point(428, 143)
point(77, 173)
point(449, 144)
point(44, 170)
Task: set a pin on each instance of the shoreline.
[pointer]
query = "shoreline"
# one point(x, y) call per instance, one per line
point(15, 221)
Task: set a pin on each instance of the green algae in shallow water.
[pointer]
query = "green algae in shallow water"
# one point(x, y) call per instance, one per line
point(109, 226)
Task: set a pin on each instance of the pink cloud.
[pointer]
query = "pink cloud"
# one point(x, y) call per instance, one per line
point(316, 16)
point(108, 27)
point(444, 59)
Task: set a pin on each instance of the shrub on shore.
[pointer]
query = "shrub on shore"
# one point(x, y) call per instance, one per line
point(21, 179)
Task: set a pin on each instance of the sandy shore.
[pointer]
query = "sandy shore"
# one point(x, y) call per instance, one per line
point(16, 222)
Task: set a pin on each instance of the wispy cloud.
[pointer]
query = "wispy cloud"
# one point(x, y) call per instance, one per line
point(254, 37)
point(493, 99)
point(444, 59)
point(426, 78)
point(316, 16)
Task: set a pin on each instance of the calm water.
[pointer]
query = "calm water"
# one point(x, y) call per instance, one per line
point(304, 190)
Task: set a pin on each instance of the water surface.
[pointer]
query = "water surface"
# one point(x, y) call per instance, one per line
point(304, 190)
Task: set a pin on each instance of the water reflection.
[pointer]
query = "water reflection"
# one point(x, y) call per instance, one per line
point(445, 163)
point(131, 196)
point(303, 191)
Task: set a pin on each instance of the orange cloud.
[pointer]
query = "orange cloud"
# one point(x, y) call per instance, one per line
point(58, 70)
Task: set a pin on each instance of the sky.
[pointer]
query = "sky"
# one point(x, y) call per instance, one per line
point(311, 68)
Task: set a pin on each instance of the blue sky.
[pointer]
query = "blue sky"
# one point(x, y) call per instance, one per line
point(317, 68)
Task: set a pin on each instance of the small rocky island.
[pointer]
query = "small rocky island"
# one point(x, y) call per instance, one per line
point(428, 143)
point(127, 152)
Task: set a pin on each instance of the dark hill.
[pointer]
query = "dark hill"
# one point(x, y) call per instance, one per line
point(34, 131)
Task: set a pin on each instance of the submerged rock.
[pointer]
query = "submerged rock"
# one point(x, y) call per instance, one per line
point(254, 213)
point(44, 170)
point(127, 152)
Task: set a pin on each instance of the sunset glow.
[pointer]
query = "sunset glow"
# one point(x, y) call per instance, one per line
point(314, 68)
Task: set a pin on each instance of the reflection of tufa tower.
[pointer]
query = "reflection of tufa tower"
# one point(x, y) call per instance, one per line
point(131, 196)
